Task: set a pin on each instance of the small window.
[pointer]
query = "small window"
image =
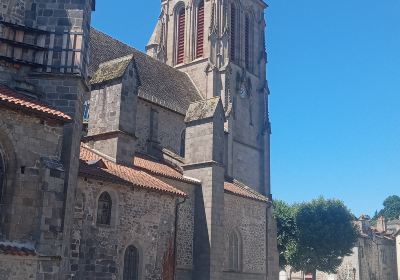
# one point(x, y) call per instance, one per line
point(153, 125)
point(2, 175)
point(131, 264)
point(180, 50)
point(104, 209)
point(200, 30)
point(234, 252)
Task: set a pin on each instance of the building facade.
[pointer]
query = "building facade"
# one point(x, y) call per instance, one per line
point(374, 256)
point(166, 175)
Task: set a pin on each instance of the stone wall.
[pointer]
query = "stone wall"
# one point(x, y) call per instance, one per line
point(26, 141)
point(247, 218)
point(18, 268)
point(170, 127)
point(139, 217)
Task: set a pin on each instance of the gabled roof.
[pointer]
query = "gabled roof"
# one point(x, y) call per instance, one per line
point(111, 70)
point(14, 100)
point(160, 83)
point(110, 171)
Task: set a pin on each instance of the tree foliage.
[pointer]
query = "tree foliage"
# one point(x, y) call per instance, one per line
point(287, 232)
point(391, 208)
point(315, 235)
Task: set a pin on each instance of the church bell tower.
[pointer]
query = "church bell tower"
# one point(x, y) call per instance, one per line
point(220, 44)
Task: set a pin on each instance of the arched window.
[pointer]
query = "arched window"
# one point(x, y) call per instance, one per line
point(104, 209)
point(183, 141)
point(180, 50)
point(131, 264)
point(2, 174)
point(200, 30)
point(233, 32)
point(247, 42)
point(234, 252)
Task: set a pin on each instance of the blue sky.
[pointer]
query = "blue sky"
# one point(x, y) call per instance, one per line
point(334, 75)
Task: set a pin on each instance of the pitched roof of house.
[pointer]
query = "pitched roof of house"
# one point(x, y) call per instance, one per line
point(13, 249)
point(160, 83)
point(111, 70)
point(14, 100)
point(162, 168)
point(93, 164)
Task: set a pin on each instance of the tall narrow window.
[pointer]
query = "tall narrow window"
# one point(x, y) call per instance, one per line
point(247, 43)
point(183, 141)
point(104, 209)
point(233, 32)
point(180, 52)
point(200, 30)
point(131, 264)
point(2, 175)
point(234, 252)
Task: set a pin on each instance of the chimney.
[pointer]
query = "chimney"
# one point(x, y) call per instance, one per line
point(364, 223)
point(381, 224)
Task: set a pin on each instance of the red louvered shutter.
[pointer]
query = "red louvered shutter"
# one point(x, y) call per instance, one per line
point(233, 33)
point(181, 37)
point(247, 43)
point(200, 30)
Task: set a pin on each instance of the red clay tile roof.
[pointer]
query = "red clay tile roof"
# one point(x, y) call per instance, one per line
point(160, 168)
point(12, 99)
point(239, 189)
point(121, 174)
point(163, 169)
point(13, 250)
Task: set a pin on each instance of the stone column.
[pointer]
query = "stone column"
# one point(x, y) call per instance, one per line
point(204, 154)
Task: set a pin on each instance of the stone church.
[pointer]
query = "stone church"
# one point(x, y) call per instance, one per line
point(119, 164)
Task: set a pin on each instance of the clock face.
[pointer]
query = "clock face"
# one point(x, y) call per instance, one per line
point(243, 92)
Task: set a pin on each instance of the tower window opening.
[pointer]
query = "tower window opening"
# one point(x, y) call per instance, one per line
point(180, 54)
point(200, 30)
point(247, 42)
point(233, 32)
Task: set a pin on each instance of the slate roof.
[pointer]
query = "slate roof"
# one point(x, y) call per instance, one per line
point(201, 110)
point(111, 70)
point(16, 250)
point(160, 83)
point(94, 165)
point(14, 100)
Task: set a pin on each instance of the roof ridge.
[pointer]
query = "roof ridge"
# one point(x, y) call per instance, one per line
point(119, 59)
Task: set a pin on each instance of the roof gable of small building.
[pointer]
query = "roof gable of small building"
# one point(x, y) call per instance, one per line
point(160, 83)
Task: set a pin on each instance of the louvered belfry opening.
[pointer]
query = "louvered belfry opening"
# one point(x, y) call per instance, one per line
point(200, 30)
point(181, 36)
point(233, 32)
point(247, 42)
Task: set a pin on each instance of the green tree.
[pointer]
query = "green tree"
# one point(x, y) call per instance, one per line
point(325, 234)
point(287, 232)
point(391, 208)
